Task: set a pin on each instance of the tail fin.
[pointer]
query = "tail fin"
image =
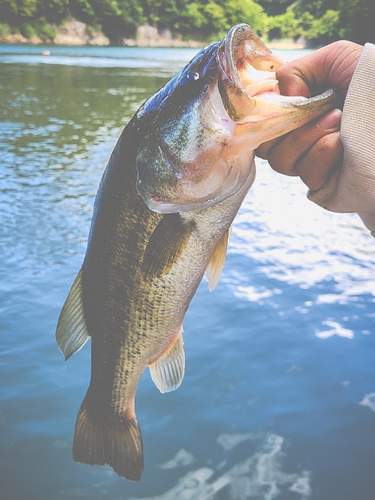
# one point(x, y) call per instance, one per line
point(117, 443)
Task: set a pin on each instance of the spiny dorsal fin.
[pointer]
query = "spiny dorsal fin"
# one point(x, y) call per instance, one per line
point(217, 260)
point(168, 371)
point(166, 244)
point(71, 332)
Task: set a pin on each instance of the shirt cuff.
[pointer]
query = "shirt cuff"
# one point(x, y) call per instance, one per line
point(351, 188)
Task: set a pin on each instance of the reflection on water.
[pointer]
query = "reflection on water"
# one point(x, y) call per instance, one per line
point(278, 397)
point(260, 476)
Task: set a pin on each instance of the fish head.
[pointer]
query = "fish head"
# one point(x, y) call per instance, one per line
point(205, 124)
point(181, 142)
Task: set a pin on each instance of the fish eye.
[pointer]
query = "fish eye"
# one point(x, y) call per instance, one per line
point(190, 76)
point(195, 78)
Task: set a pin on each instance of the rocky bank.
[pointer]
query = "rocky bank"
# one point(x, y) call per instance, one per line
point(74, 32)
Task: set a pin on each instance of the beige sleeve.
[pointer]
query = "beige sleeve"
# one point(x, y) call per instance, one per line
point(352, 187)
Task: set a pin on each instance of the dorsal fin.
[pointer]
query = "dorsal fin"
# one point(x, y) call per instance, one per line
point(168, 371)
point(166, 244)
point(217, 260)
point(71, 331)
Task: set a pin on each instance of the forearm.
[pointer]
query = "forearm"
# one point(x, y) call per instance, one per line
point(351, 188)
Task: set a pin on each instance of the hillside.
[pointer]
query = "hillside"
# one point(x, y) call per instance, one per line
point(180, 22)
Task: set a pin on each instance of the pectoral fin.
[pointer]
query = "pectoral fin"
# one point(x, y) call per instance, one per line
point(168, 371)
point(166, 245)
point(71, 332)
point(217, 260)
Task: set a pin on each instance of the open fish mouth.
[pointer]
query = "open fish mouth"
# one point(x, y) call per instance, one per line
point(249, 90)
point(205, 154)
point(247, 69)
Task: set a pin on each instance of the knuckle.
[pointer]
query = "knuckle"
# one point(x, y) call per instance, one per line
point(262, 152)
point(281, 164)
point(323, 146)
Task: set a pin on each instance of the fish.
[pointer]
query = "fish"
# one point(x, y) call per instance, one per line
point(162, 219)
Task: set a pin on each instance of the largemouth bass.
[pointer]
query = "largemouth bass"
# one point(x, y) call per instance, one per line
point(162, 218)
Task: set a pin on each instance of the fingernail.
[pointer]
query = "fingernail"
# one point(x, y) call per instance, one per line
point(330, 120)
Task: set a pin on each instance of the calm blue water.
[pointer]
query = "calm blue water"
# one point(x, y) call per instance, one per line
point(278, 399)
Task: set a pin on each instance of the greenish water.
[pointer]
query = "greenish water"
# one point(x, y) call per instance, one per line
point(279, 395)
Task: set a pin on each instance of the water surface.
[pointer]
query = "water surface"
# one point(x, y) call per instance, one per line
point(279, 395)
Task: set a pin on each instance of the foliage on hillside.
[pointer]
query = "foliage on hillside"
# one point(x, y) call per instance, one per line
point(319, 21)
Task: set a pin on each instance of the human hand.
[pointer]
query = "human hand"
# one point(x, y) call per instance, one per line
point(314, 150)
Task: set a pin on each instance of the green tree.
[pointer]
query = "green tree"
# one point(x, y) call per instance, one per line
point(83, 11)
point(161, 13)
point(275, 7)
point(119, 18)
point(215, 15)
point(319, 21)
point(245, 11)
point(131, 14)
point(305, 22)
point(315, 7)
point(16, 11)
point(357, 20)
point(52, 10)
point(283, 26)
point(192, 18)
point(325, 29)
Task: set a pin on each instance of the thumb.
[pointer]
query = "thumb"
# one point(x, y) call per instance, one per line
point(329, 66)
point(291, 82)
point(299, 76)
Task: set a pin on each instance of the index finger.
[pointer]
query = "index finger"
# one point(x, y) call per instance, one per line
point(264, 149)
point(332, 65)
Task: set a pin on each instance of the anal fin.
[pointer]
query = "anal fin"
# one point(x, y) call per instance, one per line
point(71, 331)
point(217, 260)
point(168, 371)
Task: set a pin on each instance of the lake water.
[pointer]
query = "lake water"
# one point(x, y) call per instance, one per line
point(278, 398)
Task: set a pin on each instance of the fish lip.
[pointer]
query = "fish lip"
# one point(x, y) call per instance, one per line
point(232, 54)
point(231, 50)
point(331, 94)
point(225, 57)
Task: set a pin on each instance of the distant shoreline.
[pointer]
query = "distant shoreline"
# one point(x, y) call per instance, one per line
point(74, 33)
point(286, 45)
